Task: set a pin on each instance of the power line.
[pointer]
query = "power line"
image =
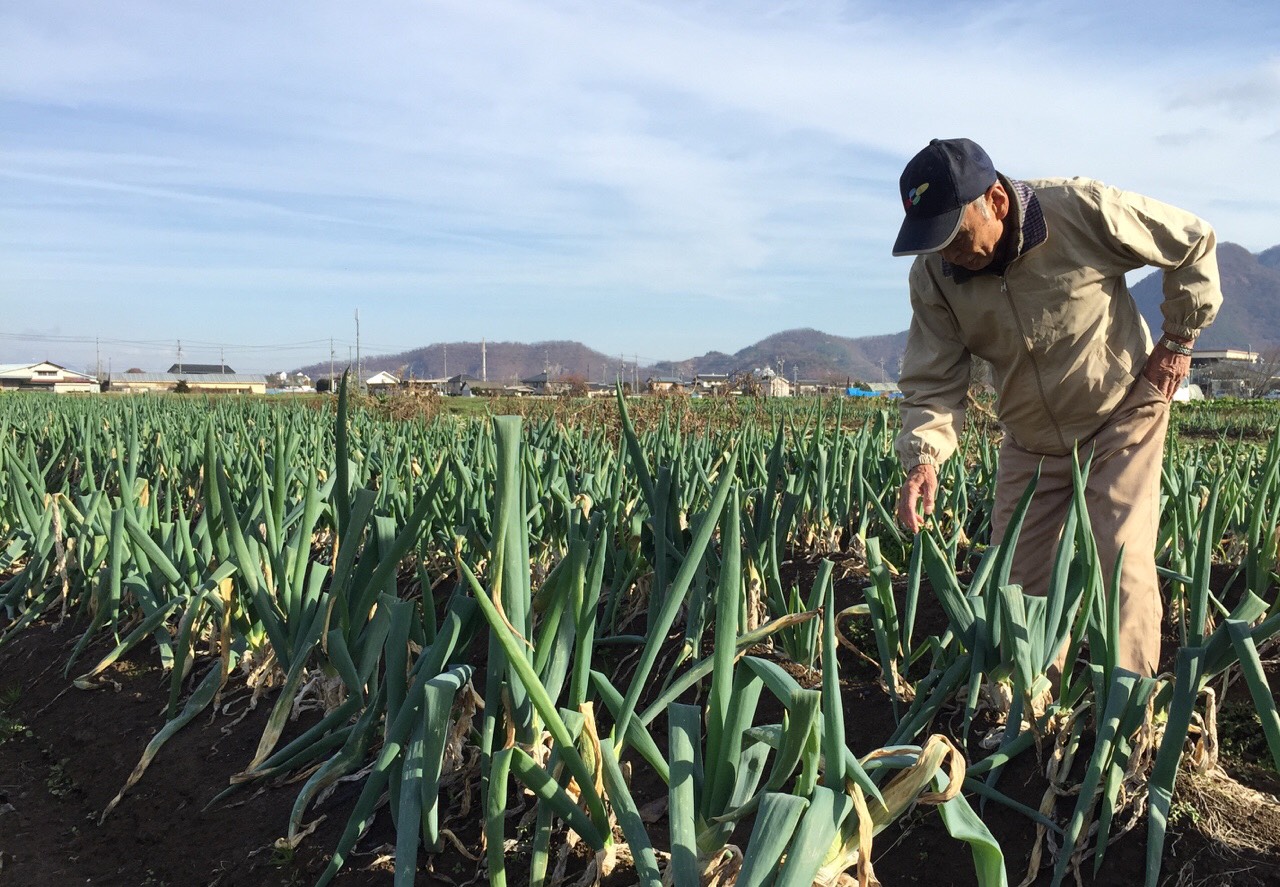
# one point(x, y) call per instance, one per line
point(165, 344)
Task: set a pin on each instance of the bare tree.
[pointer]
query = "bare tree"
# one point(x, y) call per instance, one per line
point(574, 385)
point(744, 381)
point(1261, 376)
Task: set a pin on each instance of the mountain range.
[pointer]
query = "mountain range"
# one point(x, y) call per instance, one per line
point(1249, 318)
point(1250, 314)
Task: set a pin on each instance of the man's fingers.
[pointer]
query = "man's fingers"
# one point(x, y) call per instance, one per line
point(927, 494)
point(918, 490)
point(907, 507)
point(907, 496)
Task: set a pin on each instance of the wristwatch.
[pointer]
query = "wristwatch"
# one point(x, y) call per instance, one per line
point(1176, 347)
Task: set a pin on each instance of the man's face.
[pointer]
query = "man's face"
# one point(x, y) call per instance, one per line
point(974, 245)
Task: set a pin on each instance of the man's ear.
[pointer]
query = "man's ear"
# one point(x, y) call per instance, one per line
point(999, 200)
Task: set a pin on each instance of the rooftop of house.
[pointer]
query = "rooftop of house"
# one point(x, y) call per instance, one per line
point(41, 368)
point(193, 378)
point(188, 368)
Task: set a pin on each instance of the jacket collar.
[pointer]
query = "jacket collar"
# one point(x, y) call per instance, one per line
point(1026, 230)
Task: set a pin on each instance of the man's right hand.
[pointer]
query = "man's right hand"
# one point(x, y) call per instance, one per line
point(921, 488)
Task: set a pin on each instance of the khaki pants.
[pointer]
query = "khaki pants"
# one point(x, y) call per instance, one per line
point(1123, 497)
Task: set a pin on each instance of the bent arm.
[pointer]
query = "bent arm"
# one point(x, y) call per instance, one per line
point(1178, 242)
point(934, 379)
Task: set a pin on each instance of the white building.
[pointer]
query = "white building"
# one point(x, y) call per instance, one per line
point(45, 376)
point(381, 382)
point(773, 384)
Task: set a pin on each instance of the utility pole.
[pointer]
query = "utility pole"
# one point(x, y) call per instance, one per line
point(484, 363)
point(359, 380)
point(97, 360)
point(222, 360)
point(179, 356)
point(330, 364)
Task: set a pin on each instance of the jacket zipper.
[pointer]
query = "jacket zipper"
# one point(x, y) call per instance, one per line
point(1026, 342)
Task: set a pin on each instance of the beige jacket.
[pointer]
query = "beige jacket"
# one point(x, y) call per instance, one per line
point(1059, 327)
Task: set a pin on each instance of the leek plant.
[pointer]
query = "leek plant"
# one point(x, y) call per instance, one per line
point(522, 605)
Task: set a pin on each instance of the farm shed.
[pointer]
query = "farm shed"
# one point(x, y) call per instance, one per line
point(207, 383)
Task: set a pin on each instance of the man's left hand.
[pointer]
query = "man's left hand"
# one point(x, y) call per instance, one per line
point(1166, 370)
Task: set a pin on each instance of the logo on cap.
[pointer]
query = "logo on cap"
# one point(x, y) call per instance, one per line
point(914, 195)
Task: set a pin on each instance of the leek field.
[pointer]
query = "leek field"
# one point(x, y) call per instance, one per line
point(309, 642)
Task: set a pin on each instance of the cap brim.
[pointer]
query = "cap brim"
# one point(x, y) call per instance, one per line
point(927, 235)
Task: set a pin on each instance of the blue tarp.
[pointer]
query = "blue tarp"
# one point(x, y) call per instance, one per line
point(863, 392)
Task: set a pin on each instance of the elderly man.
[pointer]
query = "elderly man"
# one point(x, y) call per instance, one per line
point(1029, 276)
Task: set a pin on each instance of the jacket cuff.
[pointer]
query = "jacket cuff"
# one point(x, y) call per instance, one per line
point(921, 459)
point(1181, 332)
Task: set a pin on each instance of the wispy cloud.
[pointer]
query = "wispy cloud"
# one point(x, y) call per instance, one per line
point(657, 177)
point(1250, 94)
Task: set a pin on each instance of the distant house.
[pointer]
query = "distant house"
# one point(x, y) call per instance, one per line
point(461, 385)
point(202, 369)
point(545, 383)
point(664, 384)
point(710, 383)
point(439, 385)
point(814, 386)
point(204, 383)
point(767, 383)
point(464, 385)
point(289, 382)
point(45, 376)
point(382, 382)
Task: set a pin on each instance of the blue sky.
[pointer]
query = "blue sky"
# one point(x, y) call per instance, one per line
point(651, 178)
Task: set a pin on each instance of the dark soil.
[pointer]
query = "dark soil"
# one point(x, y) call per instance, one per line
point(65, 753)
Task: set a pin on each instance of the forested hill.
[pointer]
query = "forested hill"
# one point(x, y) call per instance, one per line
point(805, 353)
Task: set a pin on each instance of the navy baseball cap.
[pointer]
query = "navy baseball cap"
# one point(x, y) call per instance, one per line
point(936, 186)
